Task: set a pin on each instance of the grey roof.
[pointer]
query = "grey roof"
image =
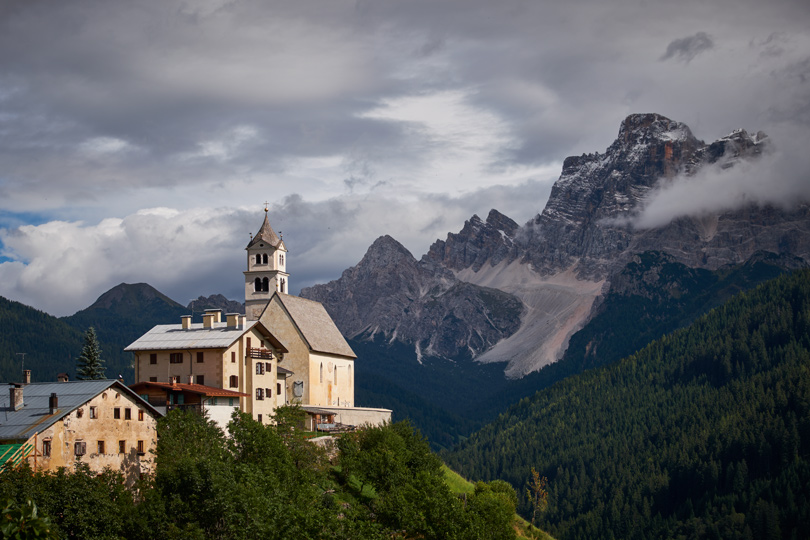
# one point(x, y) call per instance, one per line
point(316, 325)
point(172, 337)
point(284, 371)
point(35, 415)
point(266, 234)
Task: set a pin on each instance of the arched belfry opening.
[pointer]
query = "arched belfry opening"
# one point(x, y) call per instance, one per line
point(266, 264)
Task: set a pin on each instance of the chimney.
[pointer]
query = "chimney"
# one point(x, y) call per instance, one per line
point(15, 402)
point(242, 320)
point(186, 321)
point(233, 320)
point(208, 320)
point(53, 402)
point(191, 379)
point(26, 376)
point(216, 313)
point(174, 380)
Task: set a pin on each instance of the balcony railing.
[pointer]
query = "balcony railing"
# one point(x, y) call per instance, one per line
point(262, 354)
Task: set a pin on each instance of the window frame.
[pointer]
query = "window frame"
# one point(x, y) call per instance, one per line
point(176, 358)
point(79, 448)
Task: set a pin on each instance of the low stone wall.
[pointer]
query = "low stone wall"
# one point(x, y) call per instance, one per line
point(359, 416)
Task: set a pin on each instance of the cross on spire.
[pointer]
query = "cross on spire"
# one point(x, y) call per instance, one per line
point(266, 204)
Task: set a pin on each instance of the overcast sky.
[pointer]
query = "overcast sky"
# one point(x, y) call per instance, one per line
point(140, 140)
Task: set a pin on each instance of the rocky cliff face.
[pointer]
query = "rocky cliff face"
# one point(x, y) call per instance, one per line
point(555, 267)
point(390, 293)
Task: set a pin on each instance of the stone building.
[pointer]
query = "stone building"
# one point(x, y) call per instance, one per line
point(101, 423)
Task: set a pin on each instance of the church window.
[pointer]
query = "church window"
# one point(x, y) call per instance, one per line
point(283, 285)
point(281, 259)
point(321, 372)
point(257, 285)
point(234, 381)
point(258, 258)
point(265, 285)
point(264, 258)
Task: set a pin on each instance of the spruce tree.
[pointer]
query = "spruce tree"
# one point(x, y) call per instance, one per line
point(90, 365)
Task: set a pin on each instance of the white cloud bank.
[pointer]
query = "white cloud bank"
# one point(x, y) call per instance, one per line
point(780, 177)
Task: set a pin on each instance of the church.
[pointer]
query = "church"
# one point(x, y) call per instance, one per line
point(285, 350)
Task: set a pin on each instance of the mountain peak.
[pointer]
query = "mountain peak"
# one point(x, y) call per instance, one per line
point(126, 295)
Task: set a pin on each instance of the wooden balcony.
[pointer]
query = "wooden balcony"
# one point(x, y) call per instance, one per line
point(262, 354)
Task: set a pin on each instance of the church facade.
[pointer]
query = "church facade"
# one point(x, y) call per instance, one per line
point(285, 350)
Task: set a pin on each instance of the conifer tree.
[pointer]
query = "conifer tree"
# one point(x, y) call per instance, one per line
point(90, 365)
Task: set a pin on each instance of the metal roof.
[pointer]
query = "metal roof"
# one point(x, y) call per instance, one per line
point(35, 414)
point(316, 325)
point(266, 234)
point(173, 336)
point(210, 391)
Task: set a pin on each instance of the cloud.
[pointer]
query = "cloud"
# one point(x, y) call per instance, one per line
point(780, 178)
point(686, 49)
point(63, 266)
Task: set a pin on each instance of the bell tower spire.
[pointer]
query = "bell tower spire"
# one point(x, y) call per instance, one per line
point(266, 268)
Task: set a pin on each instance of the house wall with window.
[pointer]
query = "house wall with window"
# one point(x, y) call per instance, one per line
point(248, 364)
point(113, 429)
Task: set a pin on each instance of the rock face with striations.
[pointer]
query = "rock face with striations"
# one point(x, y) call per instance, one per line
point(390, 293)
point(464, 295)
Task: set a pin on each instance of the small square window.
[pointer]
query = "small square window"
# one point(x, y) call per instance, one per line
point(201, 379)
point(233, 357)
point(200, 357)
point(127, 414)
point(140, 448)
point(100, 447)
point(234, 381)
point(152, 379)
point(93, 412)
point(268, 392)
point(80, 448)
point(140, 415)
point(79, 412)
point(176, 358)
point(259, 393)
point(260, 419)
point(46, 448)
point(278, 388)
point(122, 447)
point(153, 358)
point(117, 413)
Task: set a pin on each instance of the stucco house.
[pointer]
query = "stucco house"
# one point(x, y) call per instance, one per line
point(217, 403)
point(100, 422)
point(236, 355)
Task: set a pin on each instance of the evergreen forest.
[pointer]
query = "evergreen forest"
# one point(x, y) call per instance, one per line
point(704, 433)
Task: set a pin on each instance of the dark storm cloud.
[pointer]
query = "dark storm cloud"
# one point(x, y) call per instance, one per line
point(686, 49)
point(386, 117)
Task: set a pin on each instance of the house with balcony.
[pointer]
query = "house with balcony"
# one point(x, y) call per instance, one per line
point(194, 363)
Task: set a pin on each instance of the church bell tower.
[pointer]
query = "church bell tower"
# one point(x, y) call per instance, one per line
point(266, 269)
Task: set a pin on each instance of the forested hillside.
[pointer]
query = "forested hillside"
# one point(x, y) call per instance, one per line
point(704, 433)
point(50, 345)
